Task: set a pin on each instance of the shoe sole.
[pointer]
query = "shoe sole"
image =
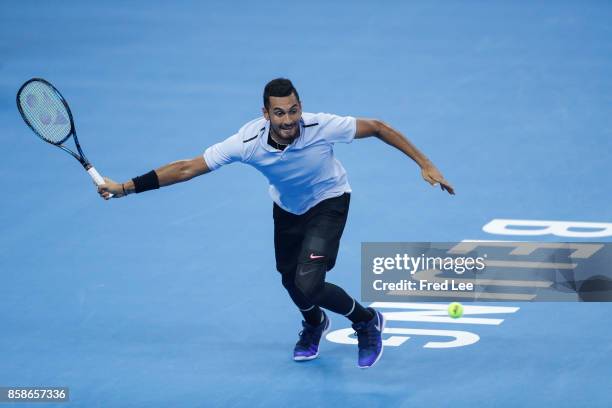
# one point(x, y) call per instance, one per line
point(304, 358)
point(382, 345)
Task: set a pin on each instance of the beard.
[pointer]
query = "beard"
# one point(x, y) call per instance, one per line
point(286, 134)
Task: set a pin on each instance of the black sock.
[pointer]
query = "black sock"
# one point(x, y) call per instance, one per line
point(334, 298)
point(360, 314)
point(313, 316)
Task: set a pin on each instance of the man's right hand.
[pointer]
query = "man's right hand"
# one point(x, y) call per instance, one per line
point(111, 187)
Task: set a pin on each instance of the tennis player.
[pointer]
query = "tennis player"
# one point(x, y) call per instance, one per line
point(311, 195)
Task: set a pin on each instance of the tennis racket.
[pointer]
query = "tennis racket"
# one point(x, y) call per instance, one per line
point(46, 112)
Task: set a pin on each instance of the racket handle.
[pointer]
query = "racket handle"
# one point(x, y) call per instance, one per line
point(97, 178)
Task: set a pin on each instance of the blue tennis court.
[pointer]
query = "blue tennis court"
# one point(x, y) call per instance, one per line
point(171, 298)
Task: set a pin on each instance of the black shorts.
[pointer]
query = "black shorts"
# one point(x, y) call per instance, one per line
point(312, 235)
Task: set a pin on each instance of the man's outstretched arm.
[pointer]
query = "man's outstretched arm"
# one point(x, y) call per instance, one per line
point(175, 172)
point(374, 127)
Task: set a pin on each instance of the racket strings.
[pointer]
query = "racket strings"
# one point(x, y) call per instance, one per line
point(45, 112)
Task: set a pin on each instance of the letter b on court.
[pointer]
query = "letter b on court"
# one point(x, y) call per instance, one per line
point(572, 229)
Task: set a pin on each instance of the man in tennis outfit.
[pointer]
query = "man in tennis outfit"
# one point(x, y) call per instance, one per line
point(311, 195)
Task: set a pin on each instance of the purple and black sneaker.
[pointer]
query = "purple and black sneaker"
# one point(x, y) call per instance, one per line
point(369, 338)
point(307, 347)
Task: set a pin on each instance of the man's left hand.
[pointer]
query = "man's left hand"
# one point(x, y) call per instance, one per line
point(433, 176)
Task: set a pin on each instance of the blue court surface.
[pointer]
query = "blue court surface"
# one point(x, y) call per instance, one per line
point(171, 298)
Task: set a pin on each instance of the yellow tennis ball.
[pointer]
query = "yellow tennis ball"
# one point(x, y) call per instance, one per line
point(455, 310)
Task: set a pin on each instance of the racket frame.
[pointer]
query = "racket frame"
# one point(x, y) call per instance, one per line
point(80, 156)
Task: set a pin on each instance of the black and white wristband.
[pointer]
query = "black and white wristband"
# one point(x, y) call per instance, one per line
point(146, 182)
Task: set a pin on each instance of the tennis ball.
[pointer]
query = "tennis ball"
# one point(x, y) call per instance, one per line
point(455, 310)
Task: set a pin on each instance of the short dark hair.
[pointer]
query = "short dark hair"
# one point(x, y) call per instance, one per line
point(278, 87)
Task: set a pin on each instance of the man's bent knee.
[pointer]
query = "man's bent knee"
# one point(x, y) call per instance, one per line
point(310, 279)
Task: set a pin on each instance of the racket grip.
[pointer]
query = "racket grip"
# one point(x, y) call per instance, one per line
point(97, 178)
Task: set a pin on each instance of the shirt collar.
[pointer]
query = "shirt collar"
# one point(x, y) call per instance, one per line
point(263, 138)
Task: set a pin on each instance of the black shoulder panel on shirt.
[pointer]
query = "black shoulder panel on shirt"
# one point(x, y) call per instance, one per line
point(254, 137)
point(312, 124)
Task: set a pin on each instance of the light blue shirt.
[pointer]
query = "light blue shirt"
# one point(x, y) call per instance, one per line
point(303, 174)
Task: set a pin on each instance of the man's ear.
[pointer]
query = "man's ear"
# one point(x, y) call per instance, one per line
point(265, 113)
